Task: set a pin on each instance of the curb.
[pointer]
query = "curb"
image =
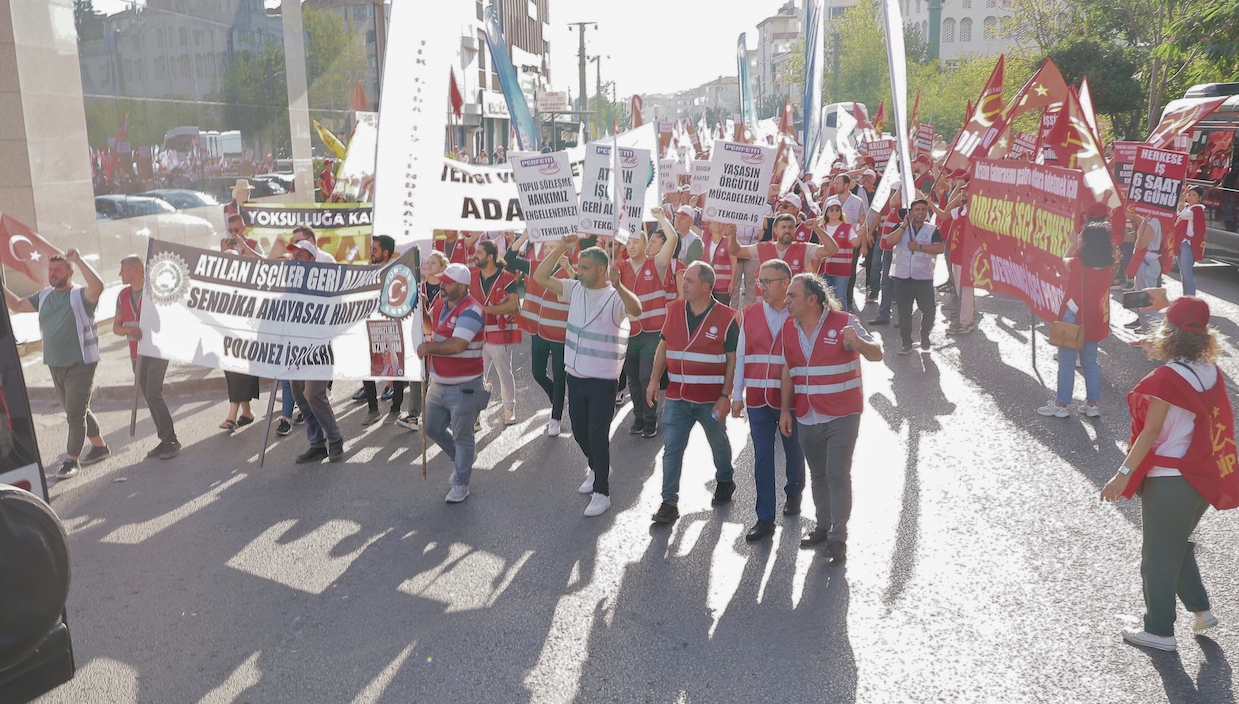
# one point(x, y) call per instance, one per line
point(109, 394)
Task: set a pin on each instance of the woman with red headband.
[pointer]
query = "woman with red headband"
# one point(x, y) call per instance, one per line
point(1182, 459)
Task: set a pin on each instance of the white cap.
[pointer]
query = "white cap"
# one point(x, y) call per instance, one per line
point(792, 199)
point(686, 210)
point(833, 202)
point(307, 246)
point(457, 272)
point(868, 172)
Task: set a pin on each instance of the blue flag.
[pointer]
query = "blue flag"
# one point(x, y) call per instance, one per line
point(814, 49)
point(522, 119)
point(748, 108)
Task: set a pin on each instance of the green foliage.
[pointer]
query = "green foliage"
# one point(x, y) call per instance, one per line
point(1110, 69)
point(256, 92)
point(1209, 33)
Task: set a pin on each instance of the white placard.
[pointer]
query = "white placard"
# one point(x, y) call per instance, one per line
point(552, 101)
point(547, 195)
point(597, 202)
point(667, 180)
point(739, 183)
point(700, 182)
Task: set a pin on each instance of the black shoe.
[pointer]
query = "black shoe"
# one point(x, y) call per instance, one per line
point(906, 349)
point(335, 451)
point(722, 493)
point(637, 428)
point(360, 395)
point(649, 432)
point(371, 418)
point(817, 537)
point(71, 468)
point(761, 531)
point(925, 342)
point(792, 506)
point(299, 419)
point(314, 454)
point(837, 550)
point(155, 451)
point(667, 513)
point(880, 320)
point(170, 450)
point(96, 454)
point(1133, 325)
point(284, 427)
point(387, 392)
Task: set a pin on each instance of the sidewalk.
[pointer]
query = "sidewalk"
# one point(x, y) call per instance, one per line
point(114, 375)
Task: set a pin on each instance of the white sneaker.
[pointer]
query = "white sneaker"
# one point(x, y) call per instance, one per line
point(587, 486)
point(477, 426)
point(1092, 410)
point(1148, 640)
point(1053, 409)
point(598, 505)
point(457, 494)
point(552, 429)
point(509, 416)
point(1204, 621)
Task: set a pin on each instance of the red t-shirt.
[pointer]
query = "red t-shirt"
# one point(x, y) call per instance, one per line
point(1096, 299)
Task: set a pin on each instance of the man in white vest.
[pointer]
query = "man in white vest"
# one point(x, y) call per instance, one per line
point(599, 309)
point(70, 350)
point(916, 242)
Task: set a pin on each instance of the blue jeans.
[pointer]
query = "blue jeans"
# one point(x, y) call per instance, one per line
point(457, 406)
point(764, 428)
point(840, 285)
point(1067, 369)
point(286, 387)
point(1185, 269)
point(678, 419)
point(888, 285)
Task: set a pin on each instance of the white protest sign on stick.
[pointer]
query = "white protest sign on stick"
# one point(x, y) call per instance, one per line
point(700, 182)
point(739, 181)
point(547, 194)
point(890, 179)
point(598, 216)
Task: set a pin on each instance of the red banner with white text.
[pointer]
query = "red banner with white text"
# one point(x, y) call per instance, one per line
point(1020, 221)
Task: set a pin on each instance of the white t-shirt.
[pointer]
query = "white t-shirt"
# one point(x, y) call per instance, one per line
point(1155, 244)
point(1180, 424)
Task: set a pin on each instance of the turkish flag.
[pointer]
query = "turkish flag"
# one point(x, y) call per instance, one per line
point(458, 100)
point(357, 97)
point(637, 117)
point(24, 251)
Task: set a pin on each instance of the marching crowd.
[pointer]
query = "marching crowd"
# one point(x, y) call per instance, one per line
point(718, 321)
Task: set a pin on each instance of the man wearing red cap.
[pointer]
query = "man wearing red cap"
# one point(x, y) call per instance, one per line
point(1182, 460)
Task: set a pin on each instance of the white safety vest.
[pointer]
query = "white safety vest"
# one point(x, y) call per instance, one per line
point(595, 348)
point(87, 332)
point(907, 264)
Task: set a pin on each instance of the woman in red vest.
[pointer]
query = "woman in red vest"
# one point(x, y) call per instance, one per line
point(1182, 459)
point(1086, 301)
point(837, 268)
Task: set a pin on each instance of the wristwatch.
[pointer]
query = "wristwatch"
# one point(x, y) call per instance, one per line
point(1125, 471)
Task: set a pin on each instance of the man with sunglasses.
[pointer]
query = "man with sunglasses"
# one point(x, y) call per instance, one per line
point(758, 377)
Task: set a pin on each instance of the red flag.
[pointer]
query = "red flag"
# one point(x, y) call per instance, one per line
point(915, 123)
point(458, 101)
point(787, 123)
point(637, 120)
point(862, 119)
point(880, 118)
point(614, 126)
point(357, 98)
point(1045, 89)
point(980, 122)
point(1181, 120)
point(24, 251)
point(1075, 146)
point(124, 130)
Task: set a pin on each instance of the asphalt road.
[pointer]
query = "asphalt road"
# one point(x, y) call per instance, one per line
point(981, 565)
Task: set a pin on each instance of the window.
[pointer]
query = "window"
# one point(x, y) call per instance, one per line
point(965, 29)
point(184, 37)
point(158, 38)
point(991, 27)
point(967, 4)
point(198, 65)
point(481, 60)
point(533, 10)
point(948, 31)
point(139, 67)
point(991, 3)
point(183, 62)
point(161, 68)
point(197, 37)
point(925, 30)
point(918, 7)
point(128, 70)
point(479, 9)
point(223, 63)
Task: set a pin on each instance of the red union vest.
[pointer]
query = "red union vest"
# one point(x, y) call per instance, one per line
point(1209, 464)
point(795, 256)
point(829, 381)
point(531, 306)
point(455, 368)
point(459, 254)
point(839, 263)
point(696, 364)
point(673, 291)
point(553, 313)
point(721, 261)
point(124, 308)
point(500, 329)
point(1191, 229)
point(763, 360)
point(643, 281)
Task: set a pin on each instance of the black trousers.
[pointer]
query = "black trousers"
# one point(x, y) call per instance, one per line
point(544, 350)
point(372, 395)
point(920, 291)
point(592, 405)
point(851, 301)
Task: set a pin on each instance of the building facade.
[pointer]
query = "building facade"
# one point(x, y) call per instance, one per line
point(778, 37)
point(716, 99)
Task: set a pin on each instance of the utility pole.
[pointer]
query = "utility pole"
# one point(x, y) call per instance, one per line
point(581, 59)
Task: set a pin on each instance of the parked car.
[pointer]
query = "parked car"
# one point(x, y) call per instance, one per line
point(115, 207)
point(182, 198)
point(1222, 197)
point(286, 181)
point(221, 188)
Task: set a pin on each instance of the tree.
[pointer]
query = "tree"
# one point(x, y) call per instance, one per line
point(1209, 33)
point(256, 95)
point(1109, 69)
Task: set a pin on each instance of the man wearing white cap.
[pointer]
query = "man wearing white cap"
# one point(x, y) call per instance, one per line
point(304, 233)
point(456, 395)
point(691, 246)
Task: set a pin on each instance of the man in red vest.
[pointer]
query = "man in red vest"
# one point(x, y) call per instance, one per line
point(149, 370)
point(698, 350)
point(800, 256)
point(647, 273)
point(495, 289)
point(822, 347)
point(454, 359)
point(759, 376)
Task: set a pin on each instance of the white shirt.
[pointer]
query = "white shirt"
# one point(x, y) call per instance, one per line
point(774, 320)
point(1176, 433)
point(1155, 244)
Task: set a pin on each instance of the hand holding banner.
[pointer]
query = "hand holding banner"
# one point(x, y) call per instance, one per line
point(1157, 179)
